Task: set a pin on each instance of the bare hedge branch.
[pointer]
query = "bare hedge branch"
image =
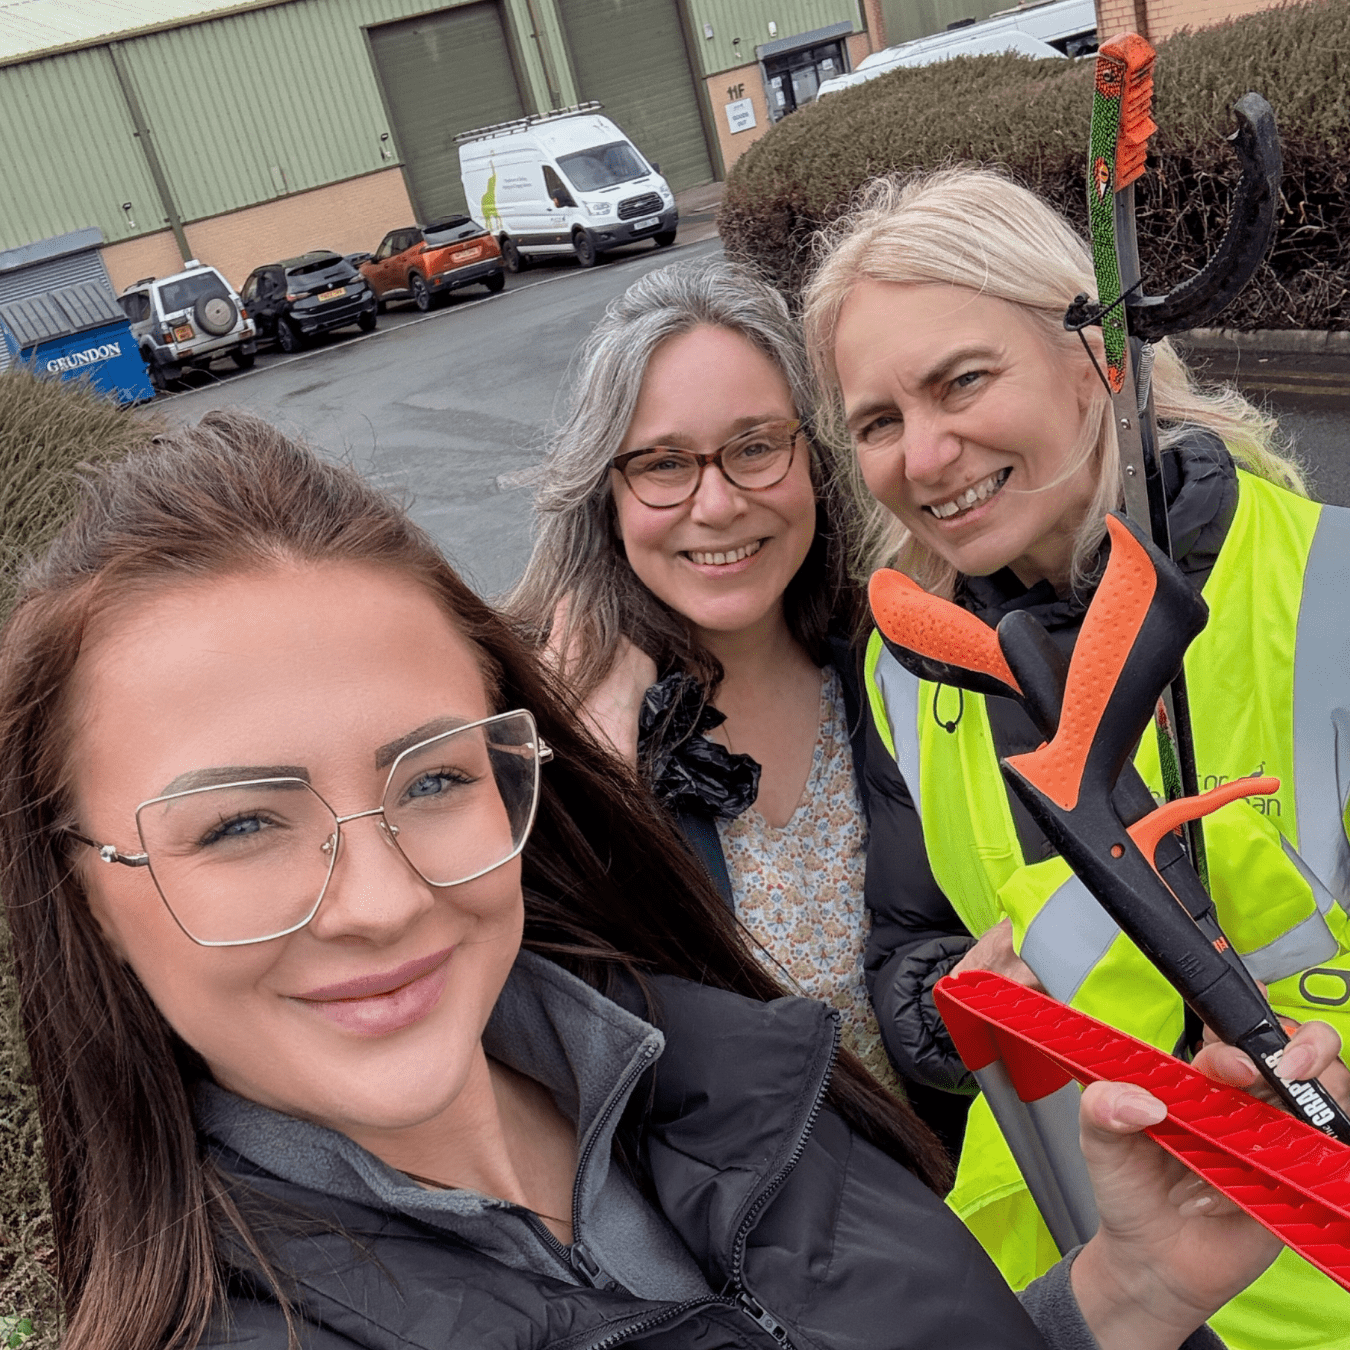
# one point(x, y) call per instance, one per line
point(1031, 117)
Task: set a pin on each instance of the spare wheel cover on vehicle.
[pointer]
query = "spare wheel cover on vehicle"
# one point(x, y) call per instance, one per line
point(216, 314)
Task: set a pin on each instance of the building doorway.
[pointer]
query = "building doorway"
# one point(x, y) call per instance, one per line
point(795, 68)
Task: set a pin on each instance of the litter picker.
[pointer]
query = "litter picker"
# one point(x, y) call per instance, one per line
point(1283, 1173)
point(1122, 124)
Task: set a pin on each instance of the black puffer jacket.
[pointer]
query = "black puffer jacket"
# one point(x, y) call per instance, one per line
point(806, 1235)
point(916, 935)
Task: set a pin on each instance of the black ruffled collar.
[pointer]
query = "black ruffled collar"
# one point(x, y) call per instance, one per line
point(686, 770)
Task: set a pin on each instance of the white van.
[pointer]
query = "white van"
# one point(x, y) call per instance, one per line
point(1042, 29)
point(563, 182)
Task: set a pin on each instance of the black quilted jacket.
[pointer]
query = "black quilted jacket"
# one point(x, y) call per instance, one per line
point(810, 1236)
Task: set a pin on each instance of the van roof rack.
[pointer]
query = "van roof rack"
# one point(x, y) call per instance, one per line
point(520, 123)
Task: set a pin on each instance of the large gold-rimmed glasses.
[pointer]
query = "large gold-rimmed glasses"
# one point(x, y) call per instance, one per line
point(243, 862)
point(662, 476)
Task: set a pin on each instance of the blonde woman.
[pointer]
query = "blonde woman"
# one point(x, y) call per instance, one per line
point(982, 435)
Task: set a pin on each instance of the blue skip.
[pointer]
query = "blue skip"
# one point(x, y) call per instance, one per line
point(78, 332)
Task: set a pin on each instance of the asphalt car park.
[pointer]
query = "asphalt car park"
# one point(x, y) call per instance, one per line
point(399, 313)
point(448, 409)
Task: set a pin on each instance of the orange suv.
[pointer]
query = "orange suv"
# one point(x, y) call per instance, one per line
point(426, 264)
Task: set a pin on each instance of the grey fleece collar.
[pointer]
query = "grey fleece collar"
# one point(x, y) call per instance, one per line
point(547, 1024)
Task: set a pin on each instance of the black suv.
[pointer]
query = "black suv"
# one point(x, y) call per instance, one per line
point(296, 298)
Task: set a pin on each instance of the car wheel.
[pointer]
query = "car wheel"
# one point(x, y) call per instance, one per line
point(366, 323)
point(665, 239)
point(584, 247)
point(244, 360)
point(511, 255)
point(289, 337)
point(495, 282)
point(380, 306)
point(421, 292)
point(215, 314)
point(157, 381)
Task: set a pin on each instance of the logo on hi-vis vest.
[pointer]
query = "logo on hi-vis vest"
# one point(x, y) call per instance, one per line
point(91, 356)
point(1267, 806)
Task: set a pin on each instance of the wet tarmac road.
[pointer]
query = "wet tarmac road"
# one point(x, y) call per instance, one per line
point(1311, 397)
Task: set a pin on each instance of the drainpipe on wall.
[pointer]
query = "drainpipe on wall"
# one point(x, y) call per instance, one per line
point(142, 130)
point(550, 75)
point(875, 23)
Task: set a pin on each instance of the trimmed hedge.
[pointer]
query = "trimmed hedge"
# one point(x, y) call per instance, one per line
point(1031, 117)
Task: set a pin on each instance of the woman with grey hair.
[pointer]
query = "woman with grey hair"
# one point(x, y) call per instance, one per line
point(688, 581)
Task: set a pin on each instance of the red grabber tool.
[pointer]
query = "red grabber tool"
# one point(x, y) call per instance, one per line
point(1080, 788)
point(1285, 1174)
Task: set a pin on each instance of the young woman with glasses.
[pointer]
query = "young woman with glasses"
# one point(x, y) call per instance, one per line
point(688, 579)
point(369, 1008)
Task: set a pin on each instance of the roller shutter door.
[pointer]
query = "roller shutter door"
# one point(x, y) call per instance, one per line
point(443, 73)
point(630, 54)
point(54, 274)
point(24, 273)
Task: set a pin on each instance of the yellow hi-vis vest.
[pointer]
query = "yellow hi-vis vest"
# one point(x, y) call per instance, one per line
point(1269, 684)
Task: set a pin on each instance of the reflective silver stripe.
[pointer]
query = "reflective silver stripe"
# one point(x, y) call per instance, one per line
point(1305, 944)
point(1321, 711)
point(900, 690)
point(1067, 938)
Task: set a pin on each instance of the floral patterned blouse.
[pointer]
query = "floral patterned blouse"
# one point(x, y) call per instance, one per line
point(798, 890)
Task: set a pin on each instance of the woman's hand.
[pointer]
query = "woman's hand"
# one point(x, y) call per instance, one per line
point(611, 709)
point(1312, 1043)
point(1171, 1250)
point(994, 951)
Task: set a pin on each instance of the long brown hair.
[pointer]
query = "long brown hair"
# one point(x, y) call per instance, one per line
point(141, 1217)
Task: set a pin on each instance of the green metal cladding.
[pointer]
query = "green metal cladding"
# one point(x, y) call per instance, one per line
point(243, 109)
point(68, 152)
point(276, 98)
point(749, 20)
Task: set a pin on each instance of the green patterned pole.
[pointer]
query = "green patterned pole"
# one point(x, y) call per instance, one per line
point(1122, 101)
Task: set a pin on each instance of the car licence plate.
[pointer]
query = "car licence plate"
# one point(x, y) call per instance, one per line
point(184, 333)
point(335, 294)
point(464, 255)
point(646, 222)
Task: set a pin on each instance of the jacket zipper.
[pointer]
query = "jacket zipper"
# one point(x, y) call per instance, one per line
point(744, 1299)
point(577, 1257)
point(742, 1303)
point(741, 1299)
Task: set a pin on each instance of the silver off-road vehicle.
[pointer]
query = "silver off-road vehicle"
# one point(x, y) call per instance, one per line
point(187, 320)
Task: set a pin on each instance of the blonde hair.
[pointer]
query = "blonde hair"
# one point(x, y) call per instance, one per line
point(978, 229)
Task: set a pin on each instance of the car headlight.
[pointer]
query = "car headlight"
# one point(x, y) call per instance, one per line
point(600, 208)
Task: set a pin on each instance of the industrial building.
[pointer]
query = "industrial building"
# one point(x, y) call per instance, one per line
point(138, 133)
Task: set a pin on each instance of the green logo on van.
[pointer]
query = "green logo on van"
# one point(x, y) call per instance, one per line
point(489, 202)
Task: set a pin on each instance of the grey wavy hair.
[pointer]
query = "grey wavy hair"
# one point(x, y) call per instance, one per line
point(578, 556)
point(978, 229)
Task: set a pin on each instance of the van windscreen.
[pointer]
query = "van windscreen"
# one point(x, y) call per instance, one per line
point(602, 166)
